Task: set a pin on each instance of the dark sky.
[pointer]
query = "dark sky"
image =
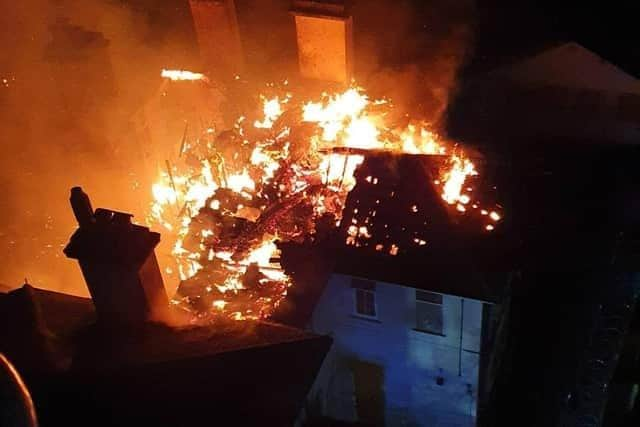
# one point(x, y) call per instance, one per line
point(512, 28)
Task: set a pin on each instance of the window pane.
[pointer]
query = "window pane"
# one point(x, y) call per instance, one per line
point(365, 302)
point(429, 317)
point(359, 301)
point(371, 303)
point(429, 297)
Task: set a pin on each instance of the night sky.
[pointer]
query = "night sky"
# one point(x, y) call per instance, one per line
point(509, 29)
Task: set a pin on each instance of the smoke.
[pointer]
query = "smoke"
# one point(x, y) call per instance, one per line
point(412, 52)
point(73, 75)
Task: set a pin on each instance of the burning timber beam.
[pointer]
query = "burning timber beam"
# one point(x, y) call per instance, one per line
point(216, 26)
point(118, 263)
point(325, 40)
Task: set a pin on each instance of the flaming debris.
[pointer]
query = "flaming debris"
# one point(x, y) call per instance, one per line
point(283, 176)
point(182, 75)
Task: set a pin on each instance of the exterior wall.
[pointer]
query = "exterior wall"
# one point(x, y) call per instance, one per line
point(410, 359)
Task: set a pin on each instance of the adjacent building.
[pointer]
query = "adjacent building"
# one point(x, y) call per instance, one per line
point(404, 355)
point(562, 92)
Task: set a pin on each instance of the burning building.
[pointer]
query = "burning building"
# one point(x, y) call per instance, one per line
point(281, 174)
point(307, 200)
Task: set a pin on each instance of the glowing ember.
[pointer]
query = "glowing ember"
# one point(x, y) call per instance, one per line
point(273, 178)
point(182, 75)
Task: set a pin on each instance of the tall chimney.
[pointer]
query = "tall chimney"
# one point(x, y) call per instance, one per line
point(118, 263)
point(218, 36)
point(325, 41)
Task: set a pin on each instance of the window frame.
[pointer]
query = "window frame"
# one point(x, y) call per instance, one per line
point(364, 287)
point(433, 299)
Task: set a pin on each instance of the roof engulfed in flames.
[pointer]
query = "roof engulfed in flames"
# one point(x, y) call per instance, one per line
point(283, 176)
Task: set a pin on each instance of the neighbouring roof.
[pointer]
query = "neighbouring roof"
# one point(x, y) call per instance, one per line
point(157, 343)
point(256, 372)
point(252, 373)
point(570, 65)
point(37, 327)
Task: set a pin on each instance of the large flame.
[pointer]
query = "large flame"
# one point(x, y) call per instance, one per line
point(274, 178)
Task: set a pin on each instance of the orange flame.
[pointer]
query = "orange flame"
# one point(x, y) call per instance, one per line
point(240, 188)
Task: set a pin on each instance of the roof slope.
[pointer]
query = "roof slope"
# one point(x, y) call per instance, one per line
point(573, 66)
point(254, 373)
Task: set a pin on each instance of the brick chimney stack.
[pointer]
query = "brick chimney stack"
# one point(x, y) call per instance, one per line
point(118, 263)
point(216, 26)
point(325, 40)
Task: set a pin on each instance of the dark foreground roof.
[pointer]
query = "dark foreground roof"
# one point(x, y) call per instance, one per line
point(250, 373)
point(245, 374)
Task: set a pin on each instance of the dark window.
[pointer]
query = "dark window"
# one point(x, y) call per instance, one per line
point(431, 297)
point(429, 312)
point(364, 292)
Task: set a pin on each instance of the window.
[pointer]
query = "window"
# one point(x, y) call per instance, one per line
point(429, 312)
point(364, 295)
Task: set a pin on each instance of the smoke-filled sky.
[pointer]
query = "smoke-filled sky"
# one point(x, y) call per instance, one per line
point(65, 108)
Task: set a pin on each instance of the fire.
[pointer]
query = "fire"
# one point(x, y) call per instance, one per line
point(182, 75)
point(455, 178)
point(272, 178)
point(272, 110)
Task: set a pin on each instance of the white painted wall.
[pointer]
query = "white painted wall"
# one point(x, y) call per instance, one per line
point(411, 359)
